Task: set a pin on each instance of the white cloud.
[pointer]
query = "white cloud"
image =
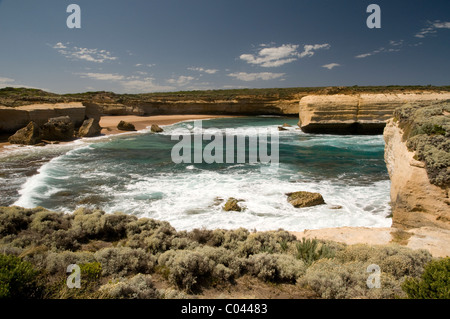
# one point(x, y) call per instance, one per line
point(330, 66)
point(181, 80)
point(144, 85)
point(77, 53)
point(309, 49)
point(277, 56)
point(432, 28)
point(198, 69)
point(131, 84)
point(395, 47)
point(244, 76)
point(102, 76)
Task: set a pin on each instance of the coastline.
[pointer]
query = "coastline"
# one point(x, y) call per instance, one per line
point(422, 238)
point(109, 123)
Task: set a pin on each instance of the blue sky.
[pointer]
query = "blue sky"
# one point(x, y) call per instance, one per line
point(168, 45)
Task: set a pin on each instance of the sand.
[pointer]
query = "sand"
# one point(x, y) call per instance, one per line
point(109, 123)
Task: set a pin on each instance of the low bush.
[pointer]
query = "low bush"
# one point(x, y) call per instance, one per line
point(310, 250)
point(18, 278)
point(433, 284)
point(275, 268)
point(137, 287)
point(121, 261)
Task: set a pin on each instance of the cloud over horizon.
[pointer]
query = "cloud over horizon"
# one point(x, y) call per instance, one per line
point(244, 76)
point(277, 56)
point(84, 54)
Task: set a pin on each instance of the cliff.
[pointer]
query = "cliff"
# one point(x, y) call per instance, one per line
point(416, 202)
point(363, 113)
point(12, 119)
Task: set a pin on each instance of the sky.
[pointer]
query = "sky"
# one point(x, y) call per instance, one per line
point(140, 46)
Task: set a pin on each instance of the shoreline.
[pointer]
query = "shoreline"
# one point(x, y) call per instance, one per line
point(430, 239)
point(109, 123)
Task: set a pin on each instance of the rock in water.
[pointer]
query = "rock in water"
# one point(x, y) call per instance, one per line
point(58, 129)
point(156, 129)
point(305, 199)
point(232, 205)
point(280, 128)
point(287, 125)
point(91, 127)
point(125, 126)
point(29, 135)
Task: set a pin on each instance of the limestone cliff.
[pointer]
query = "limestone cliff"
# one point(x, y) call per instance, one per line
point(355, 113)
point(12, 119)
point(415, 201)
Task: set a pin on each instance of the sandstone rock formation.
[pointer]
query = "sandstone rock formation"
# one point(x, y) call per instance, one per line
point(125, 126)
point(354, 113)
point(90, 128)
point(29, 135)
point(12, 119)
point(58, 129)
point(305, 199)
point(156, 129)
point(415, 201)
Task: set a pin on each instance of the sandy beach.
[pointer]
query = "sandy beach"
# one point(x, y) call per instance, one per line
point(109, 123)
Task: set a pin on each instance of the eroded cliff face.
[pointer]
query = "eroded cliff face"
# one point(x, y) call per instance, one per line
point(355, 113)
point(416, 203)
point(219, 107)
point(12, 119)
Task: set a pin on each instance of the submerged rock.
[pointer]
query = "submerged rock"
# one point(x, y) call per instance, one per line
point(125, 126)
point(156, 129)
point(305, 199)
point(281, 128)
point(58, 129)
point(232, 205)
point(29, 135)
point(91, 127)
point(287, 125)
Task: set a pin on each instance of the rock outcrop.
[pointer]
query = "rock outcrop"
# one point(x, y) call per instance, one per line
point(415, 201)
point(354, 113)
point(305, 199)
point(12, 119)
point(232, 205)
point(58, 129)
point(90, 128)
point(29, 135)
point(156, 129)
point(125, 126)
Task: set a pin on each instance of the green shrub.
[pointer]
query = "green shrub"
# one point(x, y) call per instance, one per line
point(91, 271)
point(45, 222)
point(18, 278)
point(434, 283)
point(56, 263)
point(13, 220)
point(310, 250)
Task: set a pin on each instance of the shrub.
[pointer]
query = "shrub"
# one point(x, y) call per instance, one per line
point(333, 280)
point(396, 260)
point(46, 222)
point(18, 278)
point(434, 283)
point(56, 263)
point(188, 269)
point(310, 250)
point(91, 271)
point(120, 261)
point(13, 220)
point(138, 287)
point(275, 267)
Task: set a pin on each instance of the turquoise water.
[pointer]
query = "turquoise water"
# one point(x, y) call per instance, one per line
point(134, 173)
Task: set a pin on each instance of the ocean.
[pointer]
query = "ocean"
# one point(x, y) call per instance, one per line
point(135, 174)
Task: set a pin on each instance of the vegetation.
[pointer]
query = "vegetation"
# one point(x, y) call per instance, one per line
point(121, 256)
point(21, 96)
point(434, 283)
point(427, 131)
